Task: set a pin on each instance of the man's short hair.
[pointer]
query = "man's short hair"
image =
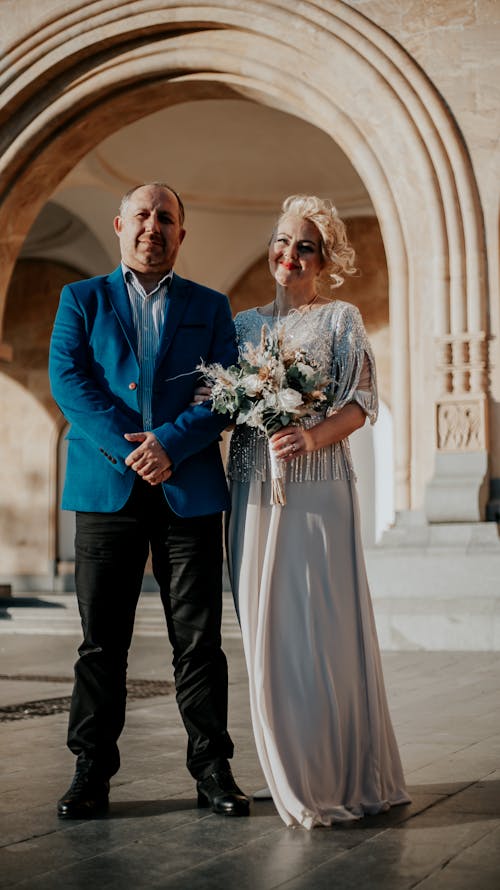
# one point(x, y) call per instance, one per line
point(163, 185)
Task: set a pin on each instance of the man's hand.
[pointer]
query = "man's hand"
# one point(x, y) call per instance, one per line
point(149, 460)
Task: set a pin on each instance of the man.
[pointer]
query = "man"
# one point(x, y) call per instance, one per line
point(144, 471)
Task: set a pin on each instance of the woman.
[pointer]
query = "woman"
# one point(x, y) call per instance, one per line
point(319, 711)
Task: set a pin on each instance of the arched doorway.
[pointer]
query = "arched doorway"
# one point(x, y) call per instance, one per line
point(28, 475)
point(81, 76)
point(58, 249)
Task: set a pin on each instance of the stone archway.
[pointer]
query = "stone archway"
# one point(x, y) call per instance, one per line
point(80, 76)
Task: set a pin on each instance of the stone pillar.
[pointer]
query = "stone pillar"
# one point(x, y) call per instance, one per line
point(458, 490)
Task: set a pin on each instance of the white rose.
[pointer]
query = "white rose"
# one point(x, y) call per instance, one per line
point(253, 384)
point(288, 399)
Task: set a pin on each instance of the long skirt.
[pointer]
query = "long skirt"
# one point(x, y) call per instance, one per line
point(319, 710)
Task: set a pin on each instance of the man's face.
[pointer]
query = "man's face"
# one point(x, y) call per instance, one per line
point(150, 231)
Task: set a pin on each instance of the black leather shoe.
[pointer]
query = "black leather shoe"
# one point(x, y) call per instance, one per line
point(87, 796)
point(220, 791)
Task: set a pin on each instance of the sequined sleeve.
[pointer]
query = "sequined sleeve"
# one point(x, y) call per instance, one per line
point(353, 364)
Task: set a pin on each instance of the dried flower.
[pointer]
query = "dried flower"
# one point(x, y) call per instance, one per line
point(273, 385)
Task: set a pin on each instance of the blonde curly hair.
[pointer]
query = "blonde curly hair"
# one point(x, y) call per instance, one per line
point(337, 254)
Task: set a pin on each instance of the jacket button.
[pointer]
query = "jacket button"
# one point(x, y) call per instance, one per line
point(132, 385)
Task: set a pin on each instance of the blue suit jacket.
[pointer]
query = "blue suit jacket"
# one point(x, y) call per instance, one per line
point(94, 373)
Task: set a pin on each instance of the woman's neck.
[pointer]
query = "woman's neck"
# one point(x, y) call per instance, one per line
point(286, 300)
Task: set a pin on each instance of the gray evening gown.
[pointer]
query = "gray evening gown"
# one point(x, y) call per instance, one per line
point(319, 711)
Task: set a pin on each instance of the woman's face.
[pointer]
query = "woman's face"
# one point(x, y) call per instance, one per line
point(295, 253)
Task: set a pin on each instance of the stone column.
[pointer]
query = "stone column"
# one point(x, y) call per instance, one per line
point(458, 490)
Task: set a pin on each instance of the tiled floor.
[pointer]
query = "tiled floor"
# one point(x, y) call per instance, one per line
point(446, 711)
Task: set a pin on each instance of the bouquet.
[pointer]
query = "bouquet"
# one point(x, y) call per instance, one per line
point(273, 384)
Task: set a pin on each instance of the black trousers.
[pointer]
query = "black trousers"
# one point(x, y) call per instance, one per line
point(111, 550)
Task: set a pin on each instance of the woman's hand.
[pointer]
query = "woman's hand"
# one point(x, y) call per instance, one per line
point(291, 441)
point(201, 394)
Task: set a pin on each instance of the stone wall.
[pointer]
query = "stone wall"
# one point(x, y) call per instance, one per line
point(457, 44)
point(30, 423)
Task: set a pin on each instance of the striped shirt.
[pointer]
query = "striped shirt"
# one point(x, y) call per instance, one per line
point(148, 312)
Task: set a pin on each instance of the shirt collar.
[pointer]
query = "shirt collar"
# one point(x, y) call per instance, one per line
point(130, 276)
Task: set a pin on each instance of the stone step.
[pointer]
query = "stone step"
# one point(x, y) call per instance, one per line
point(46, 614)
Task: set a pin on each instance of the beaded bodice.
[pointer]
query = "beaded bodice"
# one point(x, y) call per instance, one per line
point(333, 336)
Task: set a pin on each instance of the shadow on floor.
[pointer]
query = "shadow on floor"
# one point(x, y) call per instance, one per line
point(27, 602)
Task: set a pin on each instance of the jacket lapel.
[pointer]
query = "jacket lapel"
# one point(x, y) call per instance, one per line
point(177, 301)
point(119, 299)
